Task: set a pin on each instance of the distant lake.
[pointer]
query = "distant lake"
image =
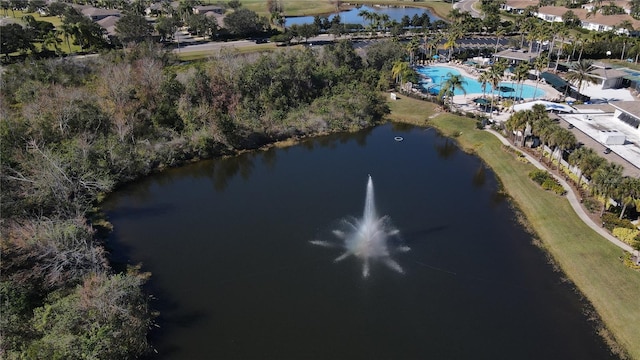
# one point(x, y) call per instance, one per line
point(351, 16)
point(236, 277)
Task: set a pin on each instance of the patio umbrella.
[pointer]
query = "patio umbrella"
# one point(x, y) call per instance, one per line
point(435, 56)
point(481, 101)
point(506, 89)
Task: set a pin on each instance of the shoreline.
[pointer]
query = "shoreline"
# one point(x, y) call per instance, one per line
point(591, 263)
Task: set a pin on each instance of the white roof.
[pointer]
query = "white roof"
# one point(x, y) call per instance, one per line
point(547, 104)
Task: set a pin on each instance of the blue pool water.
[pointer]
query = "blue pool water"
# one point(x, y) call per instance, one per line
point(435, 75)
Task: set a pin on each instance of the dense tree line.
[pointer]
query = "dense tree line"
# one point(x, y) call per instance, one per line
point(72, 130)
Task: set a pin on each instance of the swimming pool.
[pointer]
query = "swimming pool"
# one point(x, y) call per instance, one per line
point(435, 75)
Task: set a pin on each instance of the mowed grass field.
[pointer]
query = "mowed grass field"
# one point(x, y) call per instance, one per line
point(590, 261)
point(313, 7)
point(205, 54)
point(56, 21)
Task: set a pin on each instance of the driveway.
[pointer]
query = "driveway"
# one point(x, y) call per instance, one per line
point(467, 5)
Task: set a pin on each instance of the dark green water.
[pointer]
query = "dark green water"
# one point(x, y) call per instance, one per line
point(235, 276)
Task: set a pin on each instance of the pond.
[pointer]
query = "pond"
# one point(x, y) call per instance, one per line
point(351, 16)
point(236, 276)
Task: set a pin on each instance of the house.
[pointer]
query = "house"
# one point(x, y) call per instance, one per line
point(97, 14)
point(555, 13)
point(109, 24)
point(158, 8)
point(219, 17)
point(608, 78)
point(623, 4)
point(599, 22)
point(515, 57)
point(201, 9)
point(518, 6)
point(590, 21)
point(628, 112)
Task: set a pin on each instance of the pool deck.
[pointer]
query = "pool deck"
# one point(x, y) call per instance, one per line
point(465, 102)
point(586, 122)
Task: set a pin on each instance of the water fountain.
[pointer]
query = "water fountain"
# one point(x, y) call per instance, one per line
point(370, 238)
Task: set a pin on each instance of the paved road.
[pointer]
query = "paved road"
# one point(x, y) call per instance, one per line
point(573, 200)
point(467, 5)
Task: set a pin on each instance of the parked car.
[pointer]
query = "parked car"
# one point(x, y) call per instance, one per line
point(607, 150)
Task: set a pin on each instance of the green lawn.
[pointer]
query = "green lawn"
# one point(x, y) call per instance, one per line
point(56, 21)
point(589, 260)
point(201, 55)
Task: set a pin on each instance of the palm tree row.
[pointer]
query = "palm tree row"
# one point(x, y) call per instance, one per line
point(606, 179)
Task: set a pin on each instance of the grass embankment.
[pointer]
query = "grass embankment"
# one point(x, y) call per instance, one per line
point(206, 54)
point(589, 260)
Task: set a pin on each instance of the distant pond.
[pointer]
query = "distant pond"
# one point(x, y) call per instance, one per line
point(351, 16)
point(236, 276)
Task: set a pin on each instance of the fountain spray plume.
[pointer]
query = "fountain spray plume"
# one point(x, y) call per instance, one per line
point(370, 238)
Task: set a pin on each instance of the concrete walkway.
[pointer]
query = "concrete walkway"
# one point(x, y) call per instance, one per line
point(573, 200)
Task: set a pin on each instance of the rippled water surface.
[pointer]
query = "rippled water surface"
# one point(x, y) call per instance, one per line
point(236, 277)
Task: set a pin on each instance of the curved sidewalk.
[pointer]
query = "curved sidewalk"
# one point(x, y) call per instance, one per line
point(573, 200)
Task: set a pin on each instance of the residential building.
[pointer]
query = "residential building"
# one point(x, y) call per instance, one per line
point(201, 9)
point(623, 4)
point(518, 6)
point(97, 14)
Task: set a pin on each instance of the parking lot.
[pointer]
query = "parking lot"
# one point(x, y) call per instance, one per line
point(586, 127)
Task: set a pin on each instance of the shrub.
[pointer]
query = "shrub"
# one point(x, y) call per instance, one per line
point(547, 181)
point(539, 176)
point(612, 221)
point(591, 204)
point(626, 235)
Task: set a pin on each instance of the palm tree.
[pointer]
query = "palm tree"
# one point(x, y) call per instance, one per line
point(500, 33)
point(628, 192)
point(605, 181)
point(635, 49)
point(452, 83)
point(400, 71)
point(384, 21)
point(365, 15)
point(543, 129)
point(539, 64)
point(67, 31)
point(564, 139)
point(495, 76)
point(4, 5)
point(562, 33)
point(431, 43)
point(583, 40)
point(580, 72)
point(51, 38)
point(517, 123)
point(453, 36)
point(520, 74)
point(412, 47)
point(484, 79)
point(586, 160)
